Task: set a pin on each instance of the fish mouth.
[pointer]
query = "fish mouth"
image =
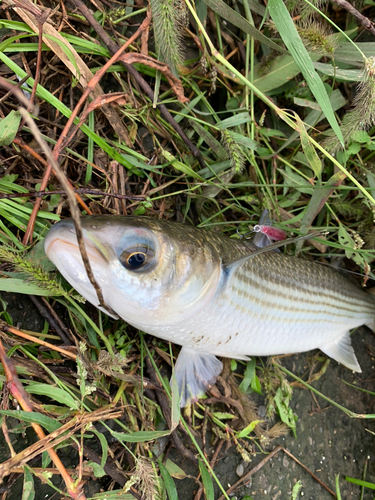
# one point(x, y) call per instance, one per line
point(58, 244)
point(61, 247)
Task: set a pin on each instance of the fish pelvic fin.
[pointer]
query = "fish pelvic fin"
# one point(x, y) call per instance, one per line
point(342, 351)
point(194, 371)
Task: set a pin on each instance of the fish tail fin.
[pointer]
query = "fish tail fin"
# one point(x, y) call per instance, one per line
point(194, 371)
point(342, 351)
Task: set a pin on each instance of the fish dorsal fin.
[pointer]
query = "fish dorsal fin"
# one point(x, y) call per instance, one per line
point(342, 351)
point(194, 371)
point(235, 263)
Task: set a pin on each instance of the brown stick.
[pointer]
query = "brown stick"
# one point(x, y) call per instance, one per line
point(64, 140)
point(49, 314)
point(30, 150)
point(73, 488)
point(113, 48)
point(92, 192)
point(365, 21)
point(255, 469)
point(36, 340)
point(73, 206)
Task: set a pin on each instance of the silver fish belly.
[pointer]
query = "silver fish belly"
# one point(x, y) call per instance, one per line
point(187, 287)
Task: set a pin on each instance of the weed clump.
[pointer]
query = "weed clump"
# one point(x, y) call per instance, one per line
point(362, 114)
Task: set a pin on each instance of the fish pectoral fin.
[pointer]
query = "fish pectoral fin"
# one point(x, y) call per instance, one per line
point(194, 371)
point(342, 351)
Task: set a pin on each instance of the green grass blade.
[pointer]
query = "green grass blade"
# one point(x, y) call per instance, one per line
point(50, 424)
point(292, 40)
point(16, 285)
point(359, 482)
point(233, 17)
point(168, 481)
point(55, 393)
point(207, 481)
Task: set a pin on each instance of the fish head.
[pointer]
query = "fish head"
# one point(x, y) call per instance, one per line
point(151, 272)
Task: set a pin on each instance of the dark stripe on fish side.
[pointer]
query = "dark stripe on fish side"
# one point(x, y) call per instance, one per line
point(304, 295)
point(272, 305)
point(297, 273)
point(267, 317)
point(363, 300)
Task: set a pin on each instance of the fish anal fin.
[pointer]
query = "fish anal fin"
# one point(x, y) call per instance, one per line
point(194, 371)
point(342, 351)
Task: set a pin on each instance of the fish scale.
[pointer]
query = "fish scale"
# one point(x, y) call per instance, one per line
point(210, 294)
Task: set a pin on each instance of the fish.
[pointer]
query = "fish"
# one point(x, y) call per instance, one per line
point(210, 294)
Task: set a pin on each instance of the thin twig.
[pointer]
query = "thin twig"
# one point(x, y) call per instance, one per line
point(64, 139)
point(73, 207)
point(365, 21)
point(74, 488)
point(92, 192)
point(33, 153)
point(36, 340)
point(50, 319)
point(257, 468)
point(113, 48)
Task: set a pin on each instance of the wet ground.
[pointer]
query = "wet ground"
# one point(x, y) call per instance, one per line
point(328, 441)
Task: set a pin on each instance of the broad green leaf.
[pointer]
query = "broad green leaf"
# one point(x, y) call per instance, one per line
point(248, 375)
point(282, 70)
point(168, 481)
point(97, 469)
point(103, 444)
point(209, 139)
point(349, 244)
point(174, 470)
point(28, 490)
point(234, 120)
point(305, 103)
point(347, 53)
point(284, 410)
point(178, 165)
point(206, 480)
point(309, 150)
point(346, 75)
point(48, 423)
point(224, 416)
point(361, 136)
point(227, 13)
point(8, 127)
point(15, 285)
point(293, 179)
point(337, 101)
point(55, 393)
point(243, 140)
point(292, 40)
point(249, 428)
point(140, 436)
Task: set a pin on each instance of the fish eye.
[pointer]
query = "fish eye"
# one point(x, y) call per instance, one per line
point(137, 258)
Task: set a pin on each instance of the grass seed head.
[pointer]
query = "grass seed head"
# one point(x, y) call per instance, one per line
point(362, 114)
point(234, 152)
point(316, 38)
point(169, 17)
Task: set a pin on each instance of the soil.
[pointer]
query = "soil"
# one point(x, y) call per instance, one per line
point(328, 441)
